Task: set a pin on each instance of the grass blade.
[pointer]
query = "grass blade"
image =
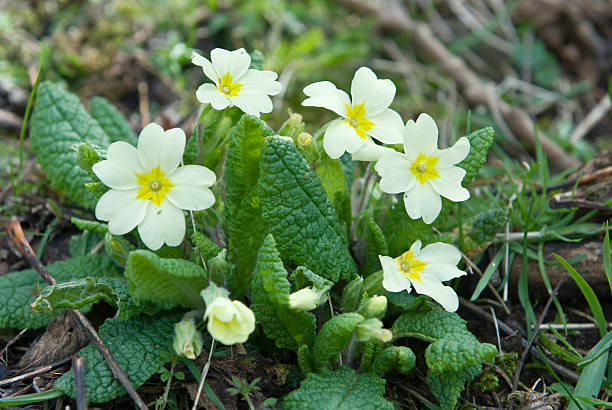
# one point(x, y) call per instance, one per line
point(606, 256)
point(590, 379)
point(600, 348)
point(486, 276)
point(30, 398)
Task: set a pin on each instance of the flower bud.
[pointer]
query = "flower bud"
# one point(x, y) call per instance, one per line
point(351, 295)
point(117, 248)
point(304, 139)
point(87, 156)
point(187, 340)
point(219, 269)
point(372, 330)
point(304, 299)
point(374, 307)
point(293, 126)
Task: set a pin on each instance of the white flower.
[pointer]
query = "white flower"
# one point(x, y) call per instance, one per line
point(366, 114)
point(149, 189)
point(229, 321)
point(235, 83)
point(371, 151)
point(304, 299)
point(424, 172)
point(425, 269)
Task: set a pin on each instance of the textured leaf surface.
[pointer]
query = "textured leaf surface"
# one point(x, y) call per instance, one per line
point(140, 345)
point(19, 289)
point(270, 290)
point(451, 356)
point(242, 207)
point(165, 282)
point(303, 277)
point(297, 211)
point(342, 389)
point(334, 336)
point(488, 223)
point(78, 293)
point(480, 142)
point(401, 231)
point(89, 225)
point(59, 121)
point(376, 245)
point(447, 387)
point(207, 247)
point(333, 179)
point(112, 121)
point(400, 358)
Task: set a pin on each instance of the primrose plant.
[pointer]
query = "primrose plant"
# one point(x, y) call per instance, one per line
point(246, 234)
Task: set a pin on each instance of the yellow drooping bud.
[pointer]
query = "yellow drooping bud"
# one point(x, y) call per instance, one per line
point(304, 299)
point(374, 307)
point(372, 330)
point(229, 321)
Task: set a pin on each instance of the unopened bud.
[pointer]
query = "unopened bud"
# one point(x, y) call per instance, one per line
point(117, 248)
point(219, 269)
point(87, 156)
point(351, 295)
point(187, 340)
point(304, 139)
point(304, 299)
point(374, 307)
point(293, 126)
point(372, 330)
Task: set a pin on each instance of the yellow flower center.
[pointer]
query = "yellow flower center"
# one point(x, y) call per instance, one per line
point(227, 87)
point(355, 117)
point(410, 266)
point(424, 167)
point(153, 185)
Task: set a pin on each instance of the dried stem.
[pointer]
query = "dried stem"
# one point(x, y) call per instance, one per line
point(78, 367)
point(204, 374)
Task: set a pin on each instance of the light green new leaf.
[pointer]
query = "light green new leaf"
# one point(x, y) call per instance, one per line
point(59, 121)
point(480, 142)
point(401, 231)
point(165, 282)
point(89, 225)
point(447, 387)
point(334, 336)
point(400, 358)
point(303, 277)
point(342, 389)
point(140, 345)
point(333, 179)
point(112, 121)
point(298, 212)
point(242, 206)
point(207, 247)
point(19, 289)
point(376, 245)
point(270, 290)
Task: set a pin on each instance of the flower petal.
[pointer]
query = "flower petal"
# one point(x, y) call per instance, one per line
point(121, 209)
point(324, 94)
point(261, 81)
point(443, 272)
point(454, 154)
point(208, 93)
point(394, 168)
point(432, 287)
point(420, 136)
point(367, 88)
point(340, 137)
point(388, 127)
point(371, 152)
point(423, 202)
point(159, 148)
point(207, 67)
point(112, 174)
point(193, 175)
point(440, 253)
point(236, 62)
point(448, 183)
point(162, 224)
point(125, 155)
point(252, 102)
point(393, 279)
point(190, 197)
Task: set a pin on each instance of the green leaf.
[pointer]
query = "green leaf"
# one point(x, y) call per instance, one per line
point(488, 273)
point(400, 358)
point(333, 179)
point(488, 223)
point(19, 289)
point(303, 277)
point(79, 293)
point(447, 387)
point(342, 389)
point(112, 121)
point(31, 398)
point(59, 121)
point(305, 359)
point(207, 247)
point(401, 231)
point(480, 142)
point(165, 282)
point(89, 225)
point(590, 380)
point(242, 206)
point(297, 211)
point(376, 245)
point(270, 291)
point(334, 336)
point(600, 348)
point(451, 356)
point(606, 249)
point(140, 345)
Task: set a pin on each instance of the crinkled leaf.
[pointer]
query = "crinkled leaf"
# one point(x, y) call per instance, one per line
point(165, 282)
point(480, 142)
point(112, 121)
point(141, 345)
point(89, 225)
point(451, 356)
point(303, 277)
point(333, 179)
point(376, 244)
point(406, 301)
point(270, 290)
point(342, 389)
point(488, 223)
point(305, 359)
point(59, 121)
point(242, 205)
point(447, 387)
point(400, 358)
point(297, 211)
point(335, 335)
point(79, 293)
point(19, 289)
point(401, 231)
point(207, 247)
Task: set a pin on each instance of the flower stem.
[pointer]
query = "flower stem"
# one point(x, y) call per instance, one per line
point(204, 373)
